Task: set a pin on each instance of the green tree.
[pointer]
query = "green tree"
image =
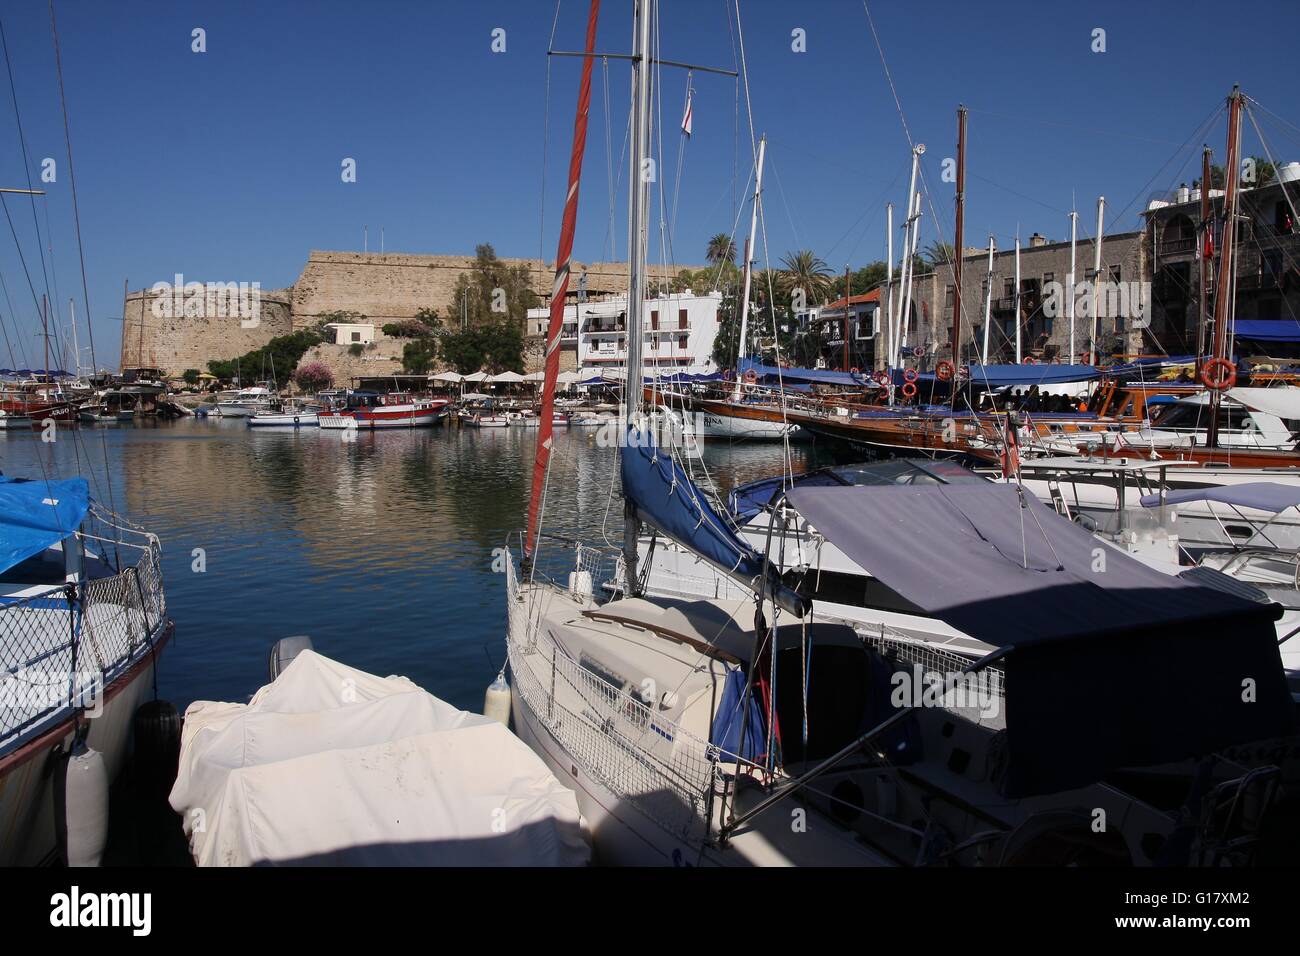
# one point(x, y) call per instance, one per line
point(491, 346)
point(862, 280)
point(805, 270)
point(721, 248)
point(277, 358)
point(190, 376)
point(492, 290)
point(419, 355)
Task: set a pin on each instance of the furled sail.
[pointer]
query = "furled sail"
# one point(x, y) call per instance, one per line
point(663, 496)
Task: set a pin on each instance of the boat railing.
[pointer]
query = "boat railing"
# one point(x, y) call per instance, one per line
point(619, 738)
point(61, 647)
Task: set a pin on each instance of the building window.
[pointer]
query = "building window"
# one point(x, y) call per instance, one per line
point(1115, 273)
point(356, 336)
point(654, 319)
point(949, 295)
point(1009, 289)
point(681, 341)
point(681, 318)
point(1049, 277)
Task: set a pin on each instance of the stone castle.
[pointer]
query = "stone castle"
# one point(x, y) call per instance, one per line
point(383, 287)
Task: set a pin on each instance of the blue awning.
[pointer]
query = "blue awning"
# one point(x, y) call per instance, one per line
point(1269, 330)
point(1261, 495)
point(996, 376)
point(821, 376)
point(35, 514)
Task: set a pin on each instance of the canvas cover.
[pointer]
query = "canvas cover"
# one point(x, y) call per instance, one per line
point(37, 513)
point(1261, 495)
point(329, 765)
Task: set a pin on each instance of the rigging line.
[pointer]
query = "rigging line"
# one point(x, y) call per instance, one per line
point(781, 189)
point(22, 142)
point(36, 299)
point(81, 251)
point(546, 132)
point(866, 211)
point(1064, 212)
point(1082, 129)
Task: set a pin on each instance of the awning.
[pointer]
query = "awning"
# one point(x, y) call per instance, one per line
point(1112, 663)
point(1280, 400)
point(996, 376)
point(453, 377)
point(821, 376)
point(35, 514)
point(1261, 495)
point(1268, 330)
point(510, 378)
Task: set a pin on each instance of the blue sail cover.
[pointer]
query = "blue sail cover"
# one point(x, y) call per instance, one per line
point(998, 376)
point(36, 514)
point(663, 496)
point(1262, 495)
point(1268, 330)
point(819, 376)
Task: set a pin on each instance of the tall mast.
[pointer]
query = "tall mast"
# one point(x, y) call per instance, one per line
point(889, 281)
point(1096, 278)
point(847, 362)
point(1016, 299)
point(1070, 281)
point(988, 306)
point(639, 194)
point(45, 334)
point(905, 271)
point(1227, 268)
point(76, 349)
point(559, 289)
point(959, 239)
point(1205, 254)
point(749, 246)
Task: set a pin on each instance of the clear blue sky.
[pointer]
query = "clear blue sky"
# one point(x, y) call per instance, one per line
point(225, 165)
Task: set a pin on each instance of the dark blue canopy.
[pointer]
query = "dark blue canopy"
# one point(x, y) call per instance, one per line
point(1110, 663)
point(820, 376)
point(997, 376)
point(35, 514)
point(1269, 330)
point(1263, 495)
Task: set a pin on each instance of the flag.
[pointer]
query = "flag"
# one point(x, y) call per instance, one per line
point(686, 119)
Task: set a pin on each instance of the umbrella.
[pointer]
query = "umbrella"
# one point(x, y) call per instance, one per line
point(535, 377)
point(447, 377)
point(568, 378)
point(507, 377)
point(476, 377)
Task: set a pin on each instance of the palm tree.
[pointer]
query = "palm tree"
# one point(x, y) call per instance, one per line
point(805, 270)
point(938, 253)
point(721, 249)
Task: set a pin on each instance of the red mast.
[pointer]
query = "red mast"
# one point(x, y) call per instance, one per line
point(959, 239)
point(560, 287)
point(1225, 284)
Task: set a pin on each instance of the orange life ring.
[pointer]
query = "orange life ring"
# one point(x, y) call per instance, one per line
point(855, 371)
point(883, 395)
point(943, 371)
point(1029, 360)
point(751, 376)
point(909, 375)
point(909, 389)
point(1226, 377)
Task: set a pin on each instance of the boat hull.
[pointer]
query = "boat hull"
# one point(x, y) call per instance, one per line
point(300, 420)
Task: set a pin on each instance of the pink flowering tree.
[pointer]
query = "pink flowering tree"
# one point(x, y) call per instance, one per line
point(313, 376)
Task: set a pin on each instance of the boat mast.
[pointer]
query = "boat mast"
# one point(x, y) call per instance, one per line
point(889, 282)
point(1096, 278)
point(1069, 302)
point(1223, 288)
point(988, 305)
point(847, 361)
point(909, 245)
point(1206, 252)
point(957, 242)
point(1016, 298)
point(639, 195)
point(749, 245)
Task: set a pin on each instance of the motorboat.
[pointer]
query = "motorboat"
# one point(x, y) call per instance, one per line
point(248, 402)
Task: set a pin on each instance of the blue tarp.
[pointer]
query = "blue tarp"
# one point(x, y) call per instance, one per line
point(821, 376)
point(1269, 330)
point(1262, 495)
point(727, 723)
point(36, 514)
point(1044, 374)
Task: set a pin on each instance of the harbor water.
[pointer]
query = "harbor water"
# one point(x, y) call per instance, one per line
point(378, 545)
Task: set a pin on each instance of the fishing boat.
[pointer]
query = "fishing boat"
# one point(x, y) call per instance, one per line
point(287, 417)
point(365, 409)
point(83, 618)
point(694, 731)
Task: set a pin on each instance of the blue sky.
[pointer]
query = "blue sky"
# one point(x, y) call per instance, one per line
point(225, 165)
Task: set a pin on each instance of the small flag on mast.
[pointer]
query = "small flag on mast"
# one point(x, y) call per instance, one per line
point(686, 119)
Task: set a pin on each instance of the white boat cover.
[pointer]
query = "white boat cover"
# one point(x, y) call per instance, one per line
point(329, 765)
point(1282, 400)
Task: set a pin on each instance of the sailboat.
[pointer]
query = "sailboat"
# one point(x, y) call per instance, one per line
point(746, 732)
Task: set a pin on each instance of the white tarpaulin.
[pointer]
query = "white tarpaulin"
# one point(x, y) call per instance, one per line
point(1282, 400)
point(331, 765)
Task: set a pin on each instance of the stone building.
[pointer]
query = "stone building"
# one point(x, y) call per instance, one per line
point(1044, 323)
point(1266, 257)
point(382, 287)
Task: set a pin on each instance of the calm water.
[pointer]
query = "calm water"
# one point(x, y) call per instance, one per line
point(379, 548)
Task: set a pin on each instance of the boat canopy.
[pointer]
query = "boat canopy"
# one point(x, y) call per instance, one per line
point(1268, 330)
point(1109, 663)
point(36, 513)
point(666, 498)
point(818, 376)
point(1261, 495)
point(998, 376)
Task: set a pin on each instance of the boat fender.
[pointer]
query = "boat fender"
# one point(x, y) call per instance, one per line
point(156, 729)
point(295, 419)
point(496, 700)
point(580, 584)
point(284, 651)
point(81, 804)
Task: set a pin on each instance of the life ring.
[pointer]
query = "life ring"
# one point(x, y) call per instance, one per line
point(918, 351)
point(1225, 378)
point(751, 376)
point(909, 389)
point(943, 371)
point(883, 395)
point(1029, 360)
point(882, 378)
point(295, 419)
point(726, 375)
point(909, 375)
point(855, 371)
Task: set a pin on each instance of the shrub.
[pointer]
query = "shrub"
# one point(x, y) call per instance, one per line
point(313, 376)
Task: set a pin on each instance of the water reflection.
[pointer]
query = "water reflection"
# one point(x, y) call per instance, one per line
point(377, 544)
